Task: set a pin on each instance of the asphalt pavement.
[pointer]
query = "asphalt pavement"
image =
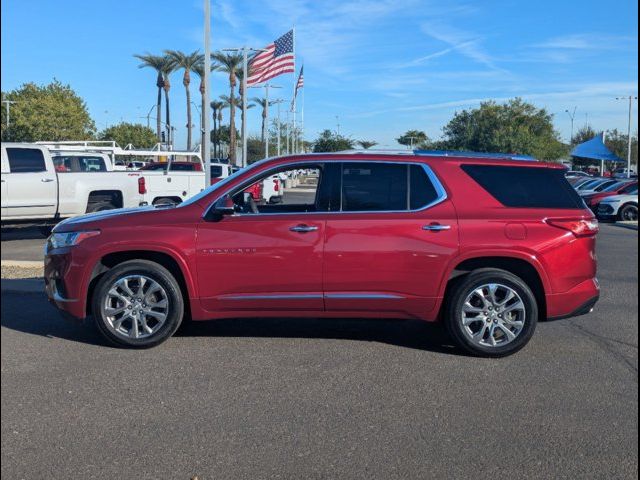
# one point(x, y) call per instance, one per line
point(280, 398)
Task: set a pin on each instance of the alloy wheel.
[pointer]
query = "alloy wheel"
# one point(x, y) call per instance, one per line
point(135, 307)
point(493, 315)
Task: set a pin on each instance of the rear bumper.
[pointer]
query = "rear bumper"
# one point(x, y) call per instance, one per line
point(579, 300)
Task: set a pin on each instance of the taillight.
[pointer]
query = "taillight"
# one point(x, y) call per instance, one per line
point(276, 185)
point(580, 227)
point(142, 186)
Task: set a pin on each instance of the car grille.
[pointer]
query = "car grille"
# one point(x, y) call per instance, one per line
point(605, 209)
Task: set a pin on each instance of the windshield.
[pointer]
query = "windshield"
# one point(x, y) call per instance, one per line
point(614, 187)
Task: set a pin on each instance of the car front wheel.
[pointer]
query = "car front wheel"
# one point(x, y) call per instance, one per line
point(138, 304)
point(491, 313)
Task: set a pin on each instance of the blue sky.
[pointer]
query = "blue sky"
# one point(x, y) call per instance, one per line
point(381, 67)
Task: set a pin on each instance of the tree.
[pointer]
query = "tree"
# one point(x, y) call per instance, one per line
point(618, 143)
point(366, 144)
point(198, 69)
point(130, 133)
point(230, 63)
point(414, 139)
point(262, 103)
point(512, 127)
point(255, 149)
point(168, 68)
point(188, 62)
point(582, 135)
point(51, 112)
point(329, 141)
point(157, 62)
point(216, 112)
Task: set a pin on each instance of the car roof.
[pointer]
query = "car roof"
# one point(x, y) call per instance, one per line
point(418, 157)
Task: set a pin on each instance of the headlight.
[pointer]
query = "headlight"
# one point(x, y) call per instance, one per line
point(68, 239)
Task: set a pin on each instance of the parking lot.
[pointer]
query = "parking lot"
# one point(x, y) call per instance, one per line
point(276, 398)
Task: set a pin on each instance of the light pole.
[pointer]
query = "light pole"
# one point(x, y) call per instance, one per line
point(338, 125)
point(206, 141)
point(631, 98)
point(245, 73)
point(8, 104)
point(278, 130)
point(266, 87)
point(149, 115)
point(572, 116)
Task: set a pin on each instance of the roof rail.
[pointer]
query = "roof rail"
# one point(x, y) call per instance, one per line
point(377, 151)
point(460, 153)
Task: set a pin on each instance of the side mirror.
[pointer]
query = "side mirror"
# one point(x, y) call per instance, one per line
point(224, 206)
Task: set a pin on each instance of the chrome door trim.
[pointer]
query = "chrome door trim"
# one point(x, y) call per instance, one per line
point(436, 228)
point(363, 295)
point(277, 296)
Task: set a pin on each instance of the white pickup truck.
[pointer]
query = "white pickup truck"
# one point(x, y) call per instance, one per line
point(160, 185)
point(35, 191)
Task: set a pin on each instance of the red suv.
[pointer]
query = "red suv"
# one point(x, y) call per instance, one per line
point(488, 245)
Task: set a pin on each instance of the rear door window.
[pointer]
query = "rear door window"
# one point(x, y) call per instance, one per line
point(526, 187)
point(374, 187)
point(26, 160)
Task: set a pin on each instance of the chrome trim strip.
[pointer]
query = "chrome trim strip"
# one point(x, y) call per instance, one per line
point(302, 296)
point(347, 296)
point(439, 188)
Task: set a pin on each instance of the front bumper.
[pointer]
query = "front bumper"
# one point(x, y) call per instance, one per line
point(59, 267)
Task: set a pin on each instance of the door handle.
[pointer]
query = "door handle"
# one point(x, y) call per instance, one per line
point(46, 180)
point(436, 227)
point(303, 228)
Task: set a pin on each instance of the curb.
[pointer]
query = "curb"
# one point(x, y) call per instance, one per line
point(628, 225)
point(22, 263)
point(22, 285)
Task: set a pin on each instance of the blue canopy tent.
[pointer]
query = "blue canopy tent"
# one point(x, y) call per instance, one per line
point(595, 149)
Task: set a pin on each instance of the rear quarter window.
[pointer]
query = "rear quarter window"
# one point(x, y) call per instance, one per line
point(526, 187)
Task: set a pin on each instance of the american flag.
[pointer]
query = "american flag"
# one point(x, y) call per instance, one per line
point(278, 58)
point(300, 83)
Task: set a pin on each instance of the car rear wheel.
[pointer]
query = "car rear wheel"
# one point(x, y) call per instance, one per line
point(138, 304)
point(491, 313)
point(100, 207)
point(629, 213)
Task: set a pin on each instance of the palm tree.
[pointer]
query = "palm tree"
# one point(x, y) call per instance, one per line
point(198, 69)
point(157, 62)
point(262, 103)
point(168, 68)
point(188, 62)
point(216, 111)
point(366, 144)
point(230, 63)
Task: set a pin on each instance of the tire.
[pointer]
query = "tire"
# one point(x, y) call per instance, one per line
point(518, 314)
point(119, 328)
point(100, 207)
point(45, 230)
point(628, 213)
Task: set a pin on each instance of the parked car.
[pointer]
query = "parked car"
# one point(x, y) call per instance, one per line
point(488, 245)
point(576, 174)
point(175, 166)
point(620, 188)
point(598, 187)
point(623, 173)
point(37, 190)
point(619, 207)
point(74, 162)
point(590, 185)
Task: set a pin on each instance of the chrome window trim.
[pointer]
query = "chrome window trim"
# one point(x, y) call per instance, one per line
point(435, 181)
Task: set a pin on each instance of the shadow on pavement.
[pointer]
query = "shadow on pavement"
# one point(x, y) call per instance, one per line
point(31, 313)
point(22, 233)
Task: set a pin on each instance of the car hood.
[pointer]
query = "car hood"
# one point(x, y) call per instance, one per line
point(108, 217)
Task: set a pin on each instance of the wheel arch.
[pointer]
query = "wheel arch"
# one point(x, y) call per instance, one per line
point(174, 264)
point(520, 265)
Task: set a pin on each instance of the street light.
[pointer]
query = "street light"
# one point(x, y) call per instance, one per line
point(266, 87)
point(631, 98)
point(572, 116)
point(8, 103)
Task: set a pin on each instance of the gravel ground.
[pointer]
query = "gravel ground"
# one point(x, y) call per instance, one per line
point(12, 271)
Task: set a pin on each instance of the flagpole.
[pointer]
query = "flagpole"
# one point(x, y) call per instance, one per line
point(294, 90)
point(245, 73)
point(302, 113)
point(266, 120)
